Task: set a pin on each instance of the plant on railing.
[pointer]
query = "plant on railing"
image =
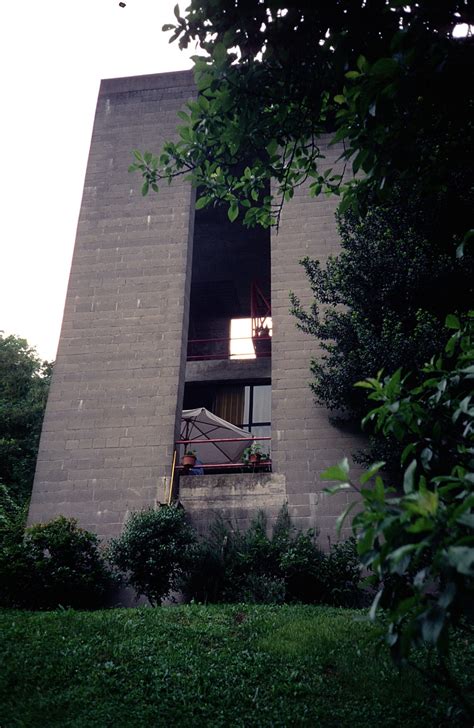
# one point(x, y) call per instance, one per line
point(419, 544)
point(189, 458)
point(253, 454)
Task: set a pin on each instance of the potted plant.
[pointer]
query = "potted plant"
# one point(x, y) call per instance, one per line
point(189, 459)
point(252, 454)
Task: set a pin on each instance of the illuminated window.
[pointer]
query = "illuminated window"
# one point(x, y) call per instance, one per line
point(241, 344)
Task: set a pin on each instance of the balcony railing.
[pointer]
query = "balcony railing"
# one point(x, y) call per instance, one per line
point(262, 463)
point(259, 345)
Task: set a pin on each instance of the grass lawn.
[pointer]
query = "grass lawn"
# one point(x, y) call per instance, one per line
point(209, 666)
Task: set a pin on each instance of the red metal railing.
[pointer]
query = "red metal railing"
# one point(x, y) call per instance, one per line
point(230, 465)
point(219, 348)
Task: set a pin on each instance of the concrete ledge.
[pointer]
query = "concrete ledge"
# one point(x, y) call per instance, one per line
point(146, 82)
point(228, 369)
point(235, 498)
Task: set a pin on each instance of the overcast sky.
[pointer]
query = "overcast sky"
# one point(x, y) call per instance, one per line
point(53, 54)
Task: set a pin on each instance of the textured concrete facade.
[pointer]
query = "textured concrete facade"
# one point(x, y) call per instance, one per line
point(235, 498)
point(304, 442)
point(117, 388)
point(110, 422)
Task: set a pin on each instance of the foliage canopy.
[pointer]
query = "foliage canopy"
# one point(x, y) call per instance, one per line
point(380, 76)
point(24, 385)
point(418, 540)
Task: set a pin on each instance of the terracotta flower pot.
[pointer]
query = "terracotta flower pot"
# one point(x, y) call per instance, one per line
point(189, 461)
point(254, 457)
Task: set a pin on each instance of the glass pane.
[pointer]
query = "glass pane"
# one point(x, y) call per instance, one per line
point(262, 403)
point(263, 431)
point(246, 419)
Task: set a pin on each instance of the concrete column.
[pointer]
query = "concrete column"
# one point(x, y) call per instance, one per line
point(116, 393)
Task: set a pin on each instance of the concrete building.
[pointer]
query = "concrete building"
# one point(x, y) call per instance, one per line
point(153, 289)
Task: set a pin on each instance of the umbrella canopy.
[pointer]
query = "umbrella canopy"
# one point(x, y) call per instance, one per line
point(200, 424)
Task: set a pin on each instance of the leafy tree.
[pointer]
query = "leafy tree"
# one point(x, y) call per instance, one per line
point(153, 550)
point(24, 384)
point(381, 303)
point(381, 76)
point(418, 540)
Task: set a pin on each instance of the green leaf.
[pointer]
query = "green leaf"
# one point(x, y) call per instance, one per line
point(467, 519)
point(219, 53)
point(384, 67)
point(373, 470)
point(409, 478)
point(233, 211)
point(201, 202)
point(432, 623)
point(462, 559)
point(375, 604)
point(183, 115)
point(452, 322)
point(203, 102)
point(337, 472)
point(340, 99)
point(145, 188)
point(336, 488)
point(342, 517)
point(352, 74)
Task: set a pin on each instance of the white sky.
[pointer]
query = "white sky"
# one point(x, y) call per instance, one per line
point(53, 54)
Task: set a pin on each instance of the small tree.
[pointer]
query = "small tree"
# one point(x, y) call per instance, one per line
point(419, 541)
point(153, 551)
point(377, 304)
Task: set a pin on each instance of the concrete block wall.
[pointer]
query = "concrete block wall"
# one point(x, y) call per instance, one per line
point(304, 442)
point(111, 417)
point(237, 498)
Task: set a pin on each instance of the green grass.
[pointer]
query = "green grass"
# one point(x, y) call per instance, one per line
point(209, 666)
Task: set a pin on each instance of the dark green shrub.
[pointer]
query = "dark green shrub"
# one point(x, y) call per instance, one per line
point(343, 574)
point(302, 565)
point(14, 567)
point(377, 304)
point(51, 565)
point(154, 549)
point(231, 566)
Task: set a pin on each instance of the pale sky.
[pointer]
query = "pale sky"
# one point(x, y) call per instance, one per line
point(53, 54)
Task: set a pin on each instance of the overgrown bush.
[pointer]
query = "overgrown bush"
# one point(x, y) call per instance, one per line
point(231, 566)
point(153, 550)
point(418, 540)
point(51, 565)
point(377, 303)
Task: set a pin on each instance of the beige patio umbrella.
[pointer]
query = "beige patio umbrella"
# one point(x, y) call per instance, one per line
point(201, 424)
